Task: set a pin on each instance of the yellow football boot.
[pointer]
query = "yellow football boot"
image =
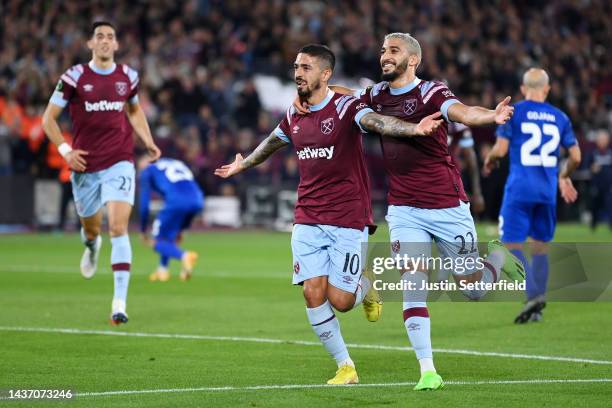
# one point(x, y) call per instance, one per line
point(188, 263)
point(372, 303)
point(160, 275)
point(345, 375)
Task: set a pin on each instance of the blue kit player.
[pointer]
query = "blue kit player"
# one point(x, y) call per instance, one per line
point(533, 137)
point(183, 200)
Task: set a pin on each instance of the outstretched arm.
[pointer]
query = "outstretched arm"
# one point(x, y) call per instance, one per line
point(302, 107)
point(479, 116)
point(390, 126)
point(342, 90)
point(265, 149)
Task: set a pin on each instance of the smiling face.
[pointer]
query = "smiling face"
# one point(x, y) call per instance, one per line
point(310, 74)
point(395, 59)
point(103, 43)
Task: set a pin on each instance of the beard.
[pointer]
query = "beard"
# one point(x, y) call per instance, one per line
point(307, 92)
point(399, 70)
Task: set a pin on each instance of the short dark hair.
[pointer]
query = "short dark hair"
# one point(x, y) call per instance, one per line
point(97, 24)
point(320, 51)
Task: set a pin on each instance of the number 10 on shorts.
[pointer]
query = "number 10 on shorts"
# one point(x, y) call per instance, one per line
point(351, 263)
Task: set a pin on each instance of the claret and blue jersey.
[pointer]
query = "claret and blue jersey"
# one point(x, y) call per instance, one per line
point(535, 133)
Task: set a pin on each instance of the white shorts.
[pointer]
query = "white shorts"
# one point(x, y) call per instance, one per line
point(93, 190)
point(412, 230)
point(327, 250)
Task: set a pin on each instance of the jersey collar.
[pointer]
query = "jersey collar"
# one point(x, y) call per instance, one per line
point(321, 105)
point(101, 71)
point(406, 88)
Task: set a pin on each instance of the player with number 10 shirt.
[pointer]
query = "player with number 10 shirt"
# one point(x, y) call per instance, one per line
point(333, 206)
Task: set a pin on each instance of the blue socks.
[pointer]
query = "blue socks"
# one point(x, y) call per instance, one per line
point(168, 249)
point(537, 273)
point(164, 261)
point(327, 328)
point(121, 260)
point(539, 270)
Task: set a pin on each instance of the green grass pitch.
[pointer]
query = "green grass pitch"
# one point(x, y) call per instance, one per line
point(199, 343)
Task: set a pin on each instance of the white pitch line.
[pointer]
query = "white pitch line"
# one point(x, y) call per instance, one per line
point(307, 386)
point(295, 342)
point(106, 271)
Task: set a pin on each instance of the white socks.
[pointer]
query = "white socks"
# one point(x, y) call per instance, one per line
point(416, 320)
point(362, 290)
point(496, 260)
point(327, 328)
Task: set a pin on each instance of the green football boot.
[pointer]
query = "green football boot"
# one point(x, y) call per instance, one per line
point(512, 267)
point(430, 380)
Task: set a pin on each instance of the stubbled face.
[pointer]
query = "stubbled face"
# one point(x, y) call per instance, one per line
point(393, 59)
point(308, 74)
point(103, 43)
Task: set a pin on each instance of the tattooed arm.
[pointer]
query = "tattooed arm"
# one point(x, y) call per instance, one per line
point(390, 126)
point(265, 149)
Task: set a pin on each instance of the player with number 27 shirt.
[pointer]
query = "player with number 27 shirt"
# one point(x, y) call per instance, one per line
point(102, 98)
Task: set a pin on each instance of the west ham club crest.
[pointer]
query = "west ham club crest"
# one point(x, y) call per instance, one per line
point(121, 87)
point(395, 246)
point(327, 126)
point(410, 106)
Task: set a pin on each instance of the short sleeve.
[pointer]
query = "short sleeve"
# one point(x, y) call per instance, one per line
point(283, 130)
point(353, 108)
point(66, 86)
point(134, 80)
point(568, 138)
point(438, 94)
point(505, 130)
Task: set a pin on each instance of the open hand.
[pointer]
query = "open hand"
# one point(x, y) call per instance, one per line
point(503, 111)
point(568, 191)
point(490, 164)
point(229, 170)
point(429, 124)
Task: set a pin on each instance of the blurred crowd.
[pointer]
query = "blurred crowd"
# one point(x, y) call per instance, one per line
point(197, 60)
